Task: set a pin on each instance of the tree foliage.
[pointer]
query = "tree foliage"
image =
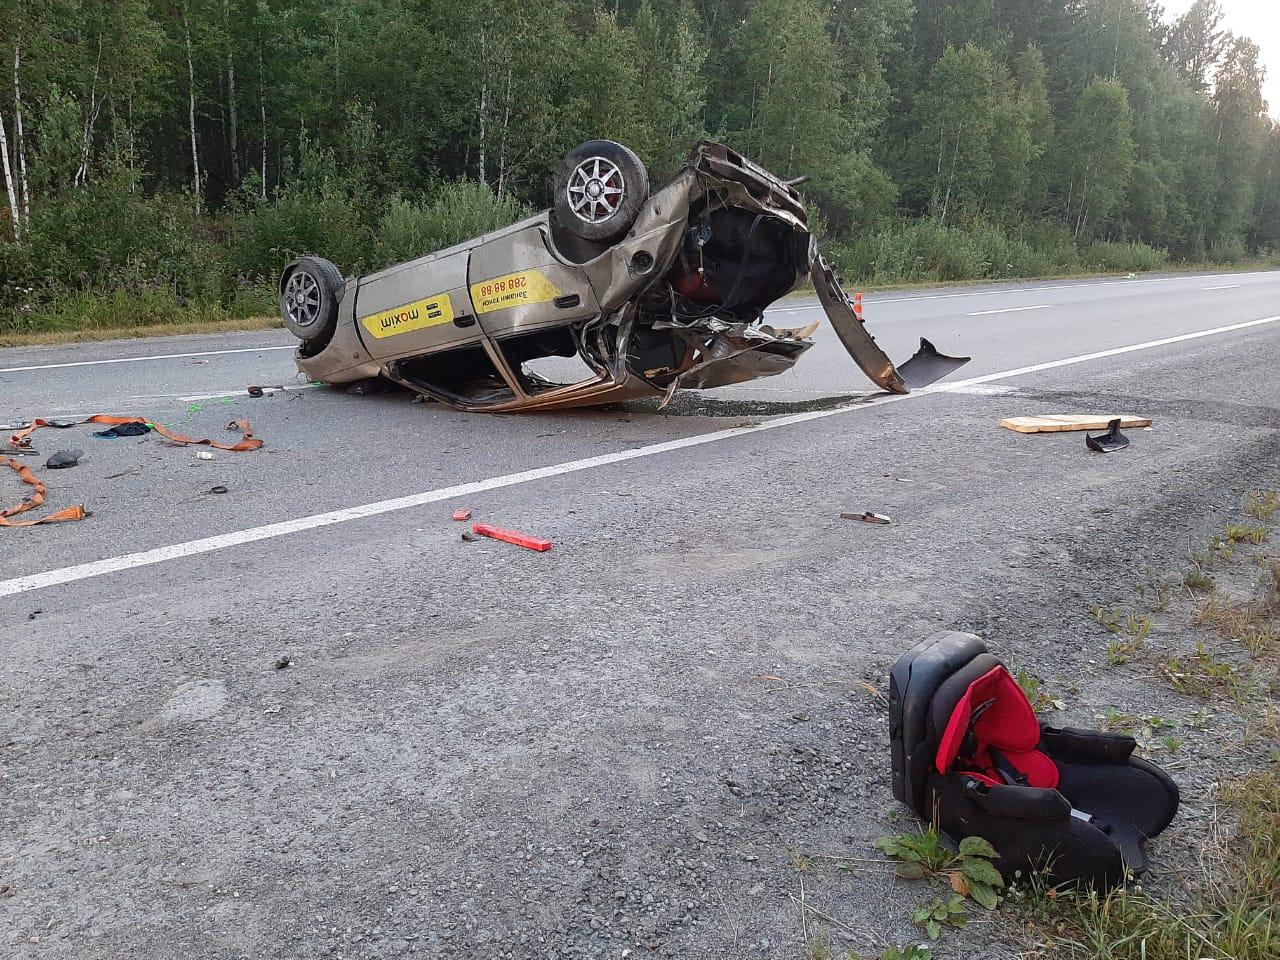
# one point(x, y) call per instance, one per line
point(267, 127)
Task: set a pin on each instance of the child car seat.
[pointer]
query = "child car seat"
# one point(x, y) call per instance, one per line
point(970, 755)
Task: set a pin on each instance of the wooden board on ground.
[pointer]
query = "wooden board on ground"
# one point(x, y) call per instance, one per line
point(1058, 422)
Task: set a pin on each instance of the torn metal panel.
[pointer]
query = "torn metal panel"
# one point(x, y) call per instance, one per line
point(735, 353)
point(926, 366)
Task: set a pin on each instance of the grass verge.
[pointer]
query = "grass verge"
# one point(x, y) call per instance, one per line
point(94, 334)
point(1229, 908)
point(1232, 911)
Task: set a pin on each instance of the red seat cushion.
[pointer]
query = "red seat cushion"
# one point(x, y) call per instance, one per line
point(1009, 725)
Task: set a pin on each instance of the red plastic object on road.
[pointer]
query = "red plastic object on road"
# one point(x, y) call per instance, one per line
point(511, 536)
point(463, 514)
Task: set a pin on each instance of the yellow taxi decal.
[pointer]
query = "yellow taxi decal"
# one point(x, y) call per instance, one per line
point(412, 316)
point(512, 290)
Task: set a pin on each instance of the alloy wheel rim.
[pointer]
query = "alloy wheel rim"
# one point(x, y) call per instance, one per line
point(595, 189)
point(302, 299)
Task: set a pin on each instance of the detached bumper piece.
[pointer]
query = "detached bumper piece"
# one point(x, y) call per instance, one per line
point(927, 365)
point(921, 370)
point(969, 750)
point(1108, 442)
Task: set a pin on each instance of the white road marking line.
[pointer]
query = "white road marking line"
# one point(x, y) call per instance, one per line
point(1083, 358)
point(1071, 286)
point(983, 313)
point(871, 299)
point(1222, 286)
point(981, 389)
point(177, 551)
point(161, 356)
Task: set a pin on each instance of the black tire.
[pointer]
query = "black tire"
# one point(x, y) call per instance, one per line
point(585, 202)
point(309, 292)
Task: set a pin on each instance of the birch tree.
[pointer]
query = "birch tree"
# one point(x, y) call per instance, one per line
point(191, 107)
point(956, 121)
point(20, 146)
point(10, 185)
point(234, 145)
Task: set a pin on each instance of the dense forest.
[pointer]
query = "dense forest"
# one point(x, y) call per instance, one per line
point(163, 158)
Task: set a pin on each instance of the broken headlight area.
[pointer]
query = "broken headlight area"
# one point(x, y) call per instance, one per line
point(733, 264)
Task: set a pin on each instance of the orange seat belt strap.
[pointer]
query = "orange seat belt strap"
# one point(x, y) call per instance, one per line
point(248, 442)
point(36, 499)
point(22, 439)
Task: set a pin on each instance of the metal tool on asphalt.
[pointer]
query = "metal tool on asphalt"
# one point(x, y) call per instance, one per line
point(1108, 442)
point(866, 517)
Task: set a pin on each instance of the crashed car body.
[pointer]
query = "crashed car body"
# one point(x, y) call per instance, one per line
point(651, 292)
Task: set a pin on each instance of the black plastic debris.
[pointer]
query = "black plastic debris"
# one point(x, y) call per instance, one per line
point(1108, 442)
point(255, 391)
point(928, 365)
point(367, 387)
point(219, 489)
point(124, 430)
point(64, 459)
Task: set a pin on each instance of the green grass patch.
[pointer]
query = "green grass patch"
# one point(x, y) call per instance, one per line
point(125, 310)
point(1232, 912)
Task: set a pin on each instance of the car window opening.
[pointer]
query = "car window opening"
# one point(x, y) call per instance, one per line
point(546, 360)
point(464, 375)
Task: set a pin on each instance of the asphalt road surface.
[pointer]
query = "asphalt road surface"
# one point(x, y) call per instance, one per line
point(619, 745)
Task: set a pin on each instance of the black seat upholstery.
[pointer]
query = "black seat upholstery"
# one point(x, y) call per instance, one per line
point(970, 754)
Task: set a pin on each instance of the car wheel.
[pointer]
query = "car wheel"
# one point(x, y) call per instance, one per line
point(309, 293)
point(600, 189)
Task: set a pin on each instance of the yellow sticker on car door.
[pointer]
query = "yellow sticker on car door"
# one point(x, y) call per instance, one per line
point(512, 290)
point(418, 315)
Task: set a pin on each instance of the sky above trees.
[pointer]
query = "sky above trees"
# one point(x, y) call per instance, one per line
point(1260, 21)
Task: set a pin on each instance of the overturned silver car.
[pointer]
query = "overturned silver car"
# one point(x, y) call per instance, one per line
point(651, 293)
